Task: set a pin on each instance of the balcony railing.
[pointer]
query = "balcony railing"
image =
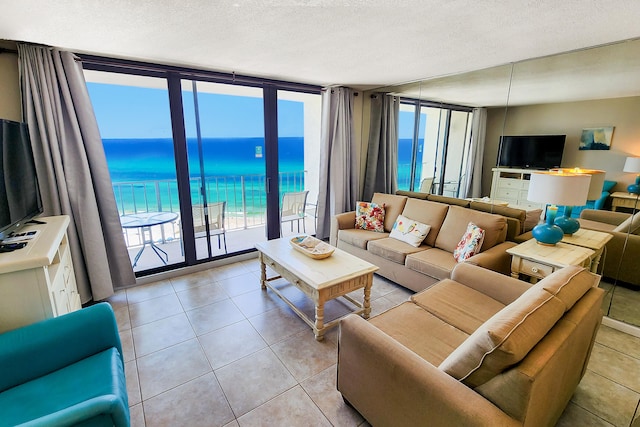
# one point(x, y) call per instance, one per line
point(245, 196)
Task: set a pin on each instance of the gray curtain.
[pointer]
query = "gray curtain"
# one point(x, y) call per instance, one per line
point(72, 167)
point(381, 173)
point(473, 182)
point(339, 158)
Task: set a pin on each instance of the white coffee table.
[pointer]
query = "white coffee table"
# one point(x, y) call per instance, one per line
point(320, 279)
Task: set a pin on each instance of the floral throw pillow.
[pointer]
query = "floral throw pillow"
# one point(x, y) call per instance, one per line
point(409, 231)
point(470, 243)
point(370, 216)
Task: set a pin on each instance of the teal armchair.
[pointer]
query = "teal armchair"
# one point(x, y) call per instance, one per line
point(64, 371)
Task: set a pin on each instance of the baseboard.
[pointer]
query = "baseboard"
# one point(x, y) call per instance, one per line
point(621, 326)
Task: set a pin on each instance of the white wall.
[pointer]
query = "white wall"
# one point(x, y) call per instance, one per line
point(570, 118)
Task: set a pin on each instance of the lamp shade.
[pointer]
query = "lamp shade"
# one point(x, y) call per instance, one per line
point(559, 188)
point(597, 180)
point(632, 164)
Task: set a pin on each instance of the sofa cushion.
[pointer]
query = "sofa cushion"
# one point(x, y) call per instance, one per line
point(409, 231)
point(504, 339)
point(532, 219)
point(455, 224)
point(470, 243)
point(433, 262)
point(359, 238)
point(393, 206)
point(370, 216)
point(516, 213)
point(420, 331)
point(430, 213)
point(596, 225)
point(392, 249)
point(458, 305)
point(569, 284)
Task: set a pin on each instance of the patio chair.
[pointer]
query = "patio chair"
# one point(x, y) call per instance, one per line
point(293, 209)
point(215, 215)
point(426, 184)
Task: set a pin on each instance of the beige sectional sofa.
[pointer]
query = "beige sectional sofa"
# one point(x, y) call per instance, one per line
point(518, 220)
point(621, 256)
point(417, 268)
point(479, 349)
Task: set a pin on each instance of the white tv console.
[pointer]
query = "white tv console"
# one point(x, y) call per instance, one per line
point(37, 282)
point(512, 185)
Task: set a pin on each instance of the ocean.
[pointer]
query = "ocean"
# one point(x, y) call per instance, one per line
point(143, 172)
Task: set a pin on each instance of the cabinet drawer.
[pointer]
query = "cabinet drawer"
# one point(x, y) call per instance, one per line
point(535, 269)
point(509, 183)
point(506, 193)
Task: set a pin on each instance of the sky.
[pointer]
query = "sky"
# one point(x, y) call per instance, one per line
point(138, 112)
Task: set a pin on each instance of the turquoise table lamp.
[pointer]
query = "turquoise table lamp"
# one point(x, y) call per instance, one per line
point(632, 164)
point(556, 188)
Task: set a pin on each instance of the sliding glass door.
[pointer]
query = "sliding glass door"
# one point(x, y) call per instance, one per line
point(203, 166)
point(224, 127)
point(135, 123)
point(433, 147)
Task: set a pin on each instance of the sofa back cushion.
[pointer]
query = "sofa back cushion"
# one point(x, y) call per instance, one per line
point(569, 284)
point(393, 206)
point(455, 225)
point(429, 213)
point(504, 339)
point(631, 224)
point(507, 337)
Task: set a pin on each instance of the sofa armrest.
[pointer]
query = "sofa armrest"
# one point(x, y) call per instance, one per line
point(41, 348)
point(343, 221)
point(608, 217)
point(495, 258)
point(392, 386)
point(504, 289)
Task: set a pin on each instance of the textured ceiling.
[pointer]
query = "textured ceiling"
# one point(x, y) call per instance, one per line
point(361, 43)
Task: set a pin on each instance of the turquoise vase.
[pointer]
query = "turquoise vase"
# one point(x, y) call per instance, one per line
point(569, 225)
point(548, 233)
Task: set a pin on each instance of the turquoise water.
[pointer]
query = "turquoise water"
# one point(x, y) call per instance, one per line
point(144, 176)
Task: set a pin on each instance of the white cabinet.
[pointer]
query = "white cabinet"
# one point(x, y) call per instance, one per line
point(37, 282)
point(512, 185)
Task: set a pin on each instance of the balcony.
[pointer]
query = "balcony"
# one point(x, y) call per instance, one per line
point(245, 216)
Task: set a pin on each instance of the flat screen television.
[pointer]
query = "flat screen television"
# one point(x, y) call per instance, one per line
point(531, 151)
point(19, 193)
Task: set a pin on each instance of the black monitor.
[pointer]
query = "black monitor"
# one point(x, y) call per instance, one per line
point(19, 193)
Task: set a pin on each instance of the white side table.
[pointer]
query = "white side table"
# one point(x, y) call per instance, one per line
point(591, 239)
point(620, 199)
point(538, 261)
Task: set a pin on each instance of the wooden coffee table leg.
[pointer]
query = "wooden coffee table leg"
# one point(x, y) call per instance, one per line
point(263, 272)
point(319, 324)
point(367, 297)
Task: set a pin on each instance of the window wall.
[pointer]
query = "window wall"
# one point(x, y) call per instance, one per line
point(433, 147)
point(200, 162)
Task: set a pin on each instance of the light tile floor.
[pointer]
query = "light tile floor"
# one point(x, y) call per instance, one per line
point(212, 349)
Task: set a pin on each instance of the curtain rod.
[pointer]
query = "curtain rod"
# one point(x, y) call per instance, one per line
point(7, 50)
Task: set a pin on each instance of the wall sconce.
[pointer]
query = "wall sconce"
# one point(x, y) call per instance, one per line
point(556, 188)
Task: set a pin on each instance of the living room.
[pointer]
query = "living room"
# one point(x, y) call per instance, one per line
point(507, 116)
